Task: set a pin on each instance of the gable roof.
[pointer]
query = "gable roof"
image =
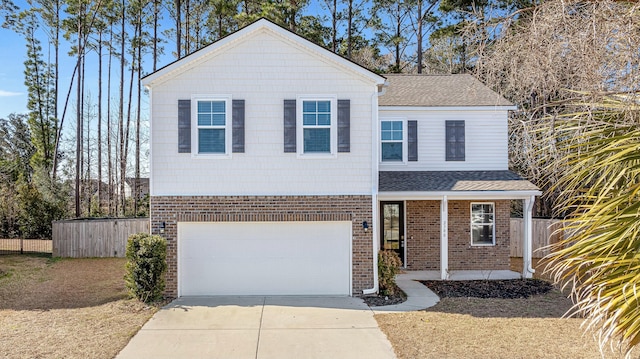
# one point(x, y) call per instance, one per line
point(261, 24)
point(438, 91)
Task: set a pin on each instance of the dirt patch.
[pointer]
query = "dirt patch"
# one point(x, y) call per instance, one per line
point(70, 308)
point(505, 289)
point(470, 328)
point(382, 300)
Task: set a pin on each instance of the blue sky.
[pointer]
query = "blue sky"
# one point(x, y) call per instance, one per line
point(13, 92)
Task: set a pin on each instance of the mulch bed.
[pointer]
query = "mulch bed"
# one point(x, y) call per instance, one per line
point(382, 300)
point(505, 289)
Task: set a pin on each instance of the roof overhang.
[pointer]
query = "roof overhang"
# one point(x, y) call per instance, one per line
point(262, 24)
point(469, 185)
point(448, 108)
point(456, 195)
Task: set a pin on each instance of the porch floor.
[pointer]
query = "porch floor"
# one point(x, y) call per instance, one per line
point(461, 275)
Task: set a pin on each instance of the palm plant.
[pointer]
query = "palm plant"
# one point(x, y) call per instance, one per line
point(599, 146)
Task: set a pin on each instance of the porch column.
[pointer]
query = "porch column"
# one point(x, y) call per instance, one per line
point(527, 248)
point(444, 238)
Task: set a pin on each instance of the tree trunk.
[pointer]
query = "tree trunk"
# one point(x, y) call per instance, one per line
point(178, 27)
point(398, 32)
point(99, 136)
point(56, 47)
point(125, 150)
point(334, 26)
point(137, 175)
point(121, 110)
point(419, 37)
point(187, 29)
point(109, 149)
point(78, 122)
point(83, 184)
point(155, 34)
point(349, 29)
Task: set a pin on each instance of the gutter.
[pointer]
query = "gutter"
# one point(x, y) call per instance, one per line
point(529, 245)
point(374, 187)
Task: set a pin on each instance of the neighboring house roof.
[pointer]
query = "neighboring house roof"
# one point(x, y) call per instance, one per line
point(436, 181)
point(261, 24)
point(438, 91)
point(142, 181)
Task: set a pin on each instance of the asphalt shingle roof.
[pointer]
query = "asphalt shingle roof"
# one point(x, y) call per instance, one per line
point(438, 91)
point(434, 181)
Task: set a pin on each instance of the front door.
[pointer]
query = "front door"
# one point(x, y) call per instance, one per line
point(392, 219)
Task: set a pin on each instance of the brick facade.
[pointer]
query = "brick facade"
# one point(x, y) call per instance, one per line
point(423, 237)
point(174, 209)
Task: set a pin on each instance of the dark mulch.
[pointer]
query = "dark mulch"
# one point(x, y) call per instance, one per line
point(505, 289)
point(382, 300)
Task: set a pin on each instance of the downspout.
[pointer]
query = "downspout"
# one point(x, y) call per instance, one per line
point(528, 233)
point(374, 187)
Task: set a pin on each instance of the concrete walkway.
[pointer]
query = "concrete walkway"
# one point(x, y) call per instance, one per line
point(418, 295)
point(261, 328)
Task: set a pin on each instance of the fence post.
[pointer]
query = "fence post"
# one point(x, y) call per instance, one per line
point(21, 245)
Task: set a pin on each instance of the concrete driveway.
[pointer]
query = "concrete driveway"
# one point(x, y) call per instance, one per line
point(261, 328)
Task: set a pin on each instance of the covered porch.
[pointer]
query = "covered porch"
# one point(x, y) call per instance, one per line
point(454, 225)
point(461, 275)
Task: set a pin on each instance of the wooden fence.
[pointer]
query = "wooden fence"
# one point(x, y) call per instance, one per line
point(543, 235)
point(81, 238)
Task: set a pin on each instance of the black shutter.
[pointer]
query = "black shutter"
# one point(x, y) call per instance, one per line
point(184, 126)
point(412, 140)
point(454, 134)
point(238, 126)
point(344, 125)
point(290, 126)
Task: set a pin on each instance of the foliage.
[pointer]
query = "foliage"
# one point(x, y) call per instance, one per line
point(389, 264)
point(39, 204)
point(30, 199)
point(600, 187)
point(544, 50)
point(146, 264)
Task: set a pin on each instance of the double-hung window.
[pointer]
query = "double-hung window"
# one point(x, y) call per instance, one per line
point(483, 223)
point(319, 126)
point(316, 124)
point(213, 126)
point(454, 143)
point(392, 139)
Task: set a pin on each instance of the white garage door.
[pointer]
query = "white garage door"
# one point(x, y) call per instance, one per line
point(264, 258)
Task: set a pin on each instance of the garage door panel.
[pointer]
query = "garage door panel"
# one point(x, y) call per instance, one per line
point(264, 258)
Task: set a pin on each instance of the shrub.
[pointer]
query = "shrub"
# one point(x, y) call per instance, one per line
point(146, 264)
point(388, 266)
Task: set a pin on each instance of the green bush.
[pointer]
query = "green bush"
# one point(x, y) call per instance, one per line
point(146, 264)
point(388, 266)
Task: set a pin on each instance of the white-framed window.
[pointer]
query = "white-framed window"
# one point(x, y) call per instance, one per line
point(483, 224)
point(393, 141)
point(317, 123)
point(212, 130)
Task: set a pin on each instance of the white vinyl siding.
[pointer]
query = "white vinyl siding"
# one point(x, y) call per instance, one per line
point(285, 71)
point(486, 137)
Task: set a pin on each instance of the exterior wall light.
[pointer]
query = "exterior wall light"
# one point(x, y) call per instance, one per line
point(365, 225)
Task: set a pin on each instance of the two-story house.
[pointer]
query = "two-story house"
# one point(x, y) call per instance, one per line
point(280, 168)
